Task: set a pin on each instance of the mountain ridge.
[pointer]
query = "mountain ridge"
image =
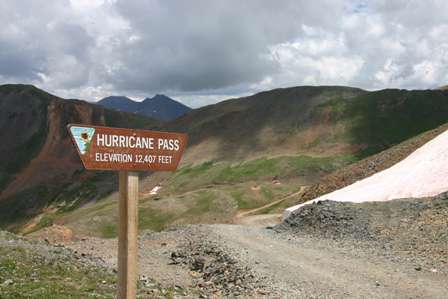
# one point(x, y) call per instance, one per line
point(311, 130)
point(121, 103)
point(310, 119)
point(159, 107)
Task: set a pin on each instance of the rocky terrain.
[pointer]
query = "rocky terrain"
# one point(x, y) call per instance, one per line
point(187, 259)
point(214, 270)
point(30, 269)
point(247, 155)
point(413, 229)
point(393, 249)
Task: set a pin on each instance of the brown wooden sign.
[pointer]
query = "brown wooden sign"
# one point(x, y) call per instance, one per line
point(105, 148)
point(127, 150)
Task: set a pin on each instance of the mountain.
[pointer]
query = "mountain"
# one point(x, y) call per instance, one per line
point(243, 153)
point(261, 153)
point(37, 158)
point(283, 121)
point(119, 103)
point(313, 120)
point(159, 107)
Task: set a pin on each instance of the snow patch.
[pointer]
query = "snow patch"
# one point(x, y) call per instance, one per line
point(424, 173)
point(155, 190)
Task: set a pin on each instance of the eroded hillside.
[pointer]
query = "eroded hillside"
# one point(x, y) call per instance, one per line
point(39, 161)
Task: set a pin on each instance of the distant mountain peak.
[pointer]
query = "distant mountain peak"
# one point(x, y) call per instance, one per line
point(116, 99)
point(160, 97)
point(120, 103)
point(160, 106)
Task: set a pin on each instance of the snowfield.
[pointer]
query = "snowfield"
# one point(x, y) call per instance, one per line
point(423, 173)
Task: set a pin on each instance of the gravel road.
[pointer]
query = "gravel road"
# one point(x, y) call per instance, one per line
point(252, 261)
point(327, 250)
point(301, 267)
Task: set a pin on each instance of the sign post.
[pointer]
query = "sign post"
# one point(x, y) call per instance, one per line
point(127, 151)
point(127, 234)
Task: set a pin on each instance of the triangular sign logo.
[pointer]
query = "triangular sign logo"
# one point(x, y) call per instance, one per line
point(83, 137)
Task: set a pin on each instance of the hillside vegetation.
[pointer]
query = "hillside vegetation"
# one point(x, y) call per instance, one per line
point(310, 120)
point(208, 193)
point(242, 154)
point(271, 123)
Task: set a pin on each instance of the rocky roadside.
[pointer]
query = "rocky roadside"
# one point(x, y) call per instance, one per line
point(188, 260)
point(415, 230)
point(36, 269)
point(394, 249)
point(216, 273)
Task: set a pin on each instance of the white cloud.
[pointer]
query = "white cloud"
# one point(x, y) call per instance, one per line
point(203, 51)
point(317, 58)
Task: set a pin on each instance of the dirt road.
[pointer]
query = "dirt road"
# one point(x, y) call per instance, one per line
point(243, 214)
point(288, 267)
point(309, 268)
point(251, 218)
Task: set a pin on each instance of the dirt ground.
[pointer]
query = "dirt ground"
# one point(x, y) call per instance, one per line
point(378, 251)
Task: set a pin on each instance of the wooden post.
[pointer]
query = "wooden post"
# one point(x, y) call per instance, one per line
point(127, 235)
point(163, 151)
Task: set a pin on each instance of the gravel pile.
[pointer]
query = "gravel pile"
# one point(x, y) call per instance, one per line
point(215, 273)
point(329, 219)
point(416, 228)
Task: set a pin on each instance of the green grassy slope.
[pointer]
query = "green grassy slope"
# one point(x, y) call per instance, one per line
point(266, 123)
point(383, 118)
point(212, 192)
point(221, 173)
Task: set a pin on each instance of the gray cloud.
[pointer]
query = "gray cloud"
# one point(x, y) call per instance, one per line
point(210, 49)
point(198, 45)
point(43, 43)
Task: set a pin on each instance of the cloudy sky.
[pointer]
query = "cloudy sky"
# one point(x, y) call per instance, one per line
point(202, 51)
